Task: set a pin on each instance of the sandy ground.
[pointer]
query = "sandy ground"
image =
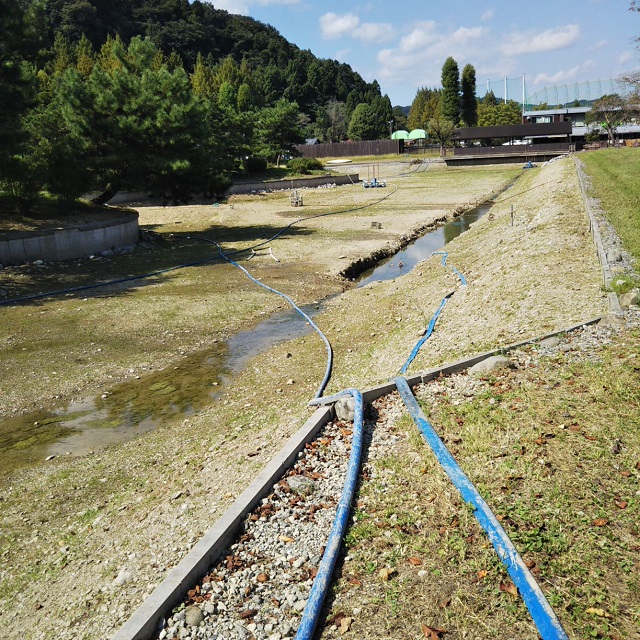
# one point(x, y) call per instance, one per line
point(85, 540)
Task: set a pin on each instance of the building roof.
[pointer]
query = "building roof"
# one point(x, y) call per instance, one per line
point(513, 131)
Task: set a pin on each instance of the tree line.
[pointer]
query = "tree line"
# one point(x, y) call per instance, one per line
point(441, 110)
point(175, 97)
point(163, 95)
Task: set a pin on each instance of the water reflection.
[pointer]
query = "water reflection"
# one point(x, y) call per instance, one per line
point(403, 261)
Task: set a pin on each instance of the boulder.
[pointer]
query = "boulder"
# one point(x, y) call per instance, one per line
point(490, 364)
point(345, 409)
point(611, 320)
point(301, 484)
point(628, 299)
point(614, 255)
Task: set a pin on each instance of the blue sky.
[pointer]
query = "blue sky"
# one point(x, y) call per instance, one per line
point(403, 45)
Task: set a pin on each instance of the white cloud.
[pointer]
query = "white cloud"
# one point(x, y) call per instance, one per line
point(527, 42)
point(374, 32)
point(487, 15)
point(424, 34)
point(601, 44)
point(420, 54)
point(232, 6)
point(335, 26)
point(624, 57)
point(563, 76)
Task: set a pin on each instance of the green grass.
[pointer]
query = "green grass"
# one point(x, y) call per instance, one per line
point(614, 177)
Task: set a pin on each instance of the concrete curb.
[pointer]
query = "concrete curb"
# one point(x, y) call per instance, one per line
point(614, 303)
point(145, 620)
point(65, 243)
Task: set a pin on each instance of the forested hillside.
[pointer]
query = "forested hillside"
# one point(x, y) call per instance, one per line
point(279, 68)
point(161, 95)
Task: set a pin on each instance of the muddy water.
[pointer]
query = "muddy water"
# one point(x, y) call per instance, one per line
point(142, 404)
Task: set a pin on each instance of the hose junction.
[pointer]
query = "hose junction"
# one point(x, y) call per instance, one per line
point(541, 612)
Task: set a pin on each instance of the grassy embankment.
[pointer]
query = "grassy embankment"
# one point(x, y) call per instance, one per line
point(555, 451)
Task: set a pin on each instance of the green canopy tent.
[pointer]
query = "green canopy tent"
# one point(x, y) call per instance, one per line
point(400, 135)
point(417, 134)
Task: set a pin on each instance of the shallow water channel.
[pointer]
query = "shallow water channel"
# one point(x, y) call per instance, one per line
point(143, 403)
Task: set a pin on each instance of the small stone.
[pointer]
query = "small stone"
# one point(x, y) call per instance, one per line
point(122, 577)
point(193, 616)
point(300, 605)
point(551, 342)
point(291, 381)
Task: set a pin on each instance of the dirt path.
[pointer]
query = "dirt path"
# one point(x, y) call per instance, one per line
point(85, 540)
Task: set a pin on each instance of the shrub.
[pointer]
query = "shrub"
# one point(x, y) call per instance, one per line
point(255, 164)
point(304, 165)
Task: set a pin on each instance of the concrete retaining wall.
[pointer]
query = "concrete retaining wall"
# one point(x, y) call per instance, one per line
point(300, 183)
point(71, 242)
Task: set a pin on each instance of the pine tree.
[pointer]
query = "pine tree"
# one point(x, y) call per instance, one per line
point(451, 91)
point(469, 103)
point(362, 125)
point(85, 57)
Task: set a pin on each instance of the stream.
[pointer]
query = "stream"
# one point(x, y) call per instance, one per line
point(139, 405)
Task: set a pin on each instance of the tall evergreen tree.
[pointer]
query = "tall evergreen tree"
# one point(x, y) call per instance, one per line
point(362, 125)
point(20, 25)
point(469, 103)
point(451, 91)
point(383, 114)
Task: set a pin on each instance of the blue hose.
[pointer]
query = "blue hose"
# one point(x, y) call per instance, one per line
point(322, 581)
point(445, 255)
point(543, 615)
point(87, 287)
point(327, 374)
point(432, 322)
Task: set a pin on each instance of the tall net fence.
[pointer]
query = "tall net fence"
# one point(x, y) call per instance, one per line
point(557, 95)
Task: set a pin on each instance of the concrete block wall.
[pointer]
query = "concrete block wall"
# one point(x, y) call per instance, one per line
point(72, 242)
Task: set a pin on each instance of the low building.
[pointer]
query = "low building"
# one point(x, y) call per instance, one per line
point(577, 116)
